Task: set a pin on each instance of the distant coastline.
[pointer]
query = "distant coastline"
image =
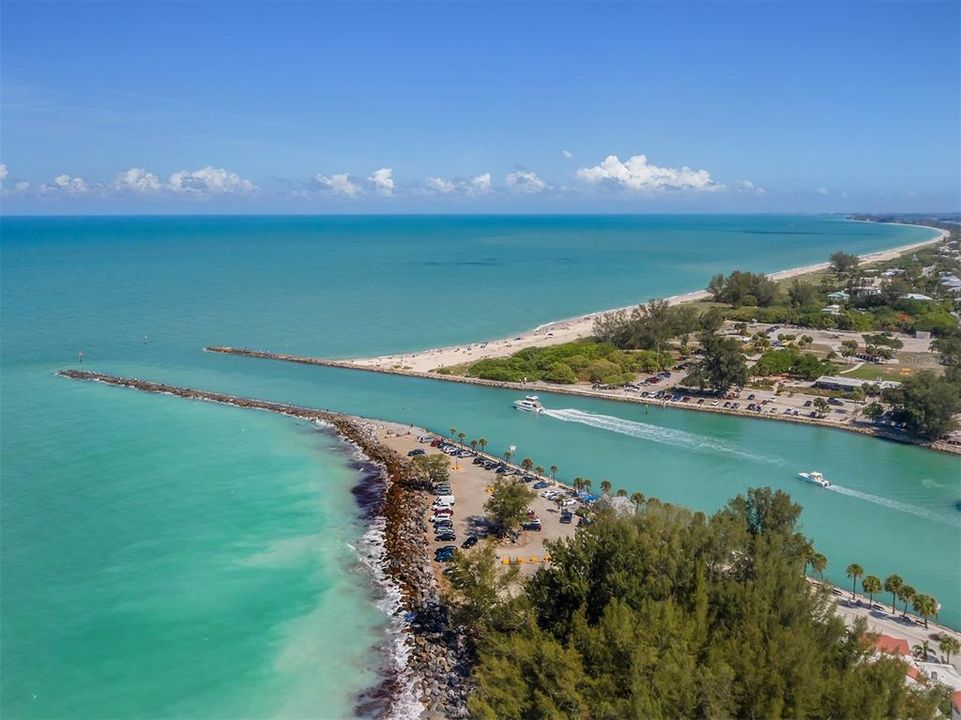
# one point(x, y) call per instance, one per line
point(555, 332)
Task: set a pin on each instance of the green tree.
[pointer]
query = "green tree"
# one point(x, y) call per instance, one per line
point(554, 470)
point(473, 445)
point(606, 487)
point(560, 373)
point(843, 263)
point(539, 470)
point(874, 410)
point(483, 443)
point(527, 464)
point(507, 505)
point(949, 646)
point(925, 606)
point(508, 455)
point(453, 430)
point(802, 294)
point(721, 365)
point(854, 571)
point(872, 586)
point(461, 436)
point(621, 493)
point(849, 348)
point(434, 467)
point(638, 499)
point(818, 564)
point(892, 584)
point(480, 586)
point(927, 403)
point(906, 594)
point(671, 613)
point(821, 406)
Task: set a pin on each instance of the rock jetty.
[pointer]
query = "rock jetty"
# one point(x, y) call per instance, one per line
point(438, 661)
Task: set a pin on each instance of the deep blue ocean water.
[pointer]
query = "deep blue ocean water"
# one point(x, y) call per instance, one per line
point(171, 559)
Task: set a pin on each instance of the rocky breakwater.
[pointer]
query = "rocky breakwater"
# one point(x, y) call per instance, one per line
point(437, 659)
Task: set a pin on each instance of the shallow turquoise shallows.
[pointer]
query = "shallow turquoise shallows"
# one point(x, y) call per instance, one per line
point(162, 558)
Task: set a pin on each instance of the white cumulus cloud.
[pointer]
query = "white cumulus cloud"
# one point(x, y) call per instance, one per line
point(137, 180)
point(477, 185)
point(481, 184)
point(66, 184)
point(567, 153)
point(441, 185)
point(21, 186)
point(339, 183)
point(383, 181)
point(3, 172)
point(822, 191)
point(746, 186)
point(210, 181)
point(525, 181)
point(636, 173)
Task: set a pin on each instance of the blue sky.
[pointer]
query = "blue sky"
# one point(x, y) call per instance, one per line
point(479, 107)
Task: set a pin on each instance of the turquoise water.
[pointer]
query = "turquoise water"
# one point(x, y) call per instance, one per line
point(171, 559)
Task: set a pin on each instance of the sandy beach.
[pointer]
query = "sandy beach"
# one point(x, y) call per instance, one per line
point(570, 329)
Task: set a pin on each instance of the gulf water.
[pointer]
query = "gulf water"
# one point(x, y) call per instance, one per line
point(171, 559)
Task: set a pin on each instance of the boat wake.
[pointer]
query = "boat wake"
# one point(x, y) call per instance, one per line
point(895, 505)
point(656, 434)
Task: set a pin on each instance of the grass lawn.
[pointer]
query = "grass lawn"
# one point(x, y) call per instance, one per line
point(869, 371)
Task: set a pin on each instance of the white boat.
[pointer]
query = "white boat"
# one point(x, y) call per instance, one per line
point(815, 478)
point(529, 404)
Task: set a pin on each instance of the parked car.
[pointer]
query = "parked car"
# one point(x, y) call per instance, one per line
point(445, 537)
point(470, 542)
point(567, 517)
point(540, 484)
point(534, 525)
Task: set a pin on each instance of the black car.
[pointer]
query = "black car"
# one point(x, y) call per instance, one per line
point(470, 542)
point(567, 517)
point(415, 452)
point(445, 537)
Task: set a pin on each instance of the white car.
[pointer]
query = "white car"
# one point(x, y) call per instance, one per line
point(568, 502)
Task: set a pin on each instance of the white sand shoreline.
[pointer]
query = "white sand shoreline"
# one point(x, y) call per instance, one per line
point(574, 328)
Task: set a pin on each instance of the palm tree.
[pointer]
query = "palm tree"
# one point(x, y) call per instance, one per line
point(539, 470)
point(893, 583)
point(621, 493)
point(452, 431)
point(605, 487)
point(906, 594)
point(949, 646)
point(473, 445)
point(578, 483)
point(922, 650)
point(854, 571)
point(461, 436)
point(508, 454)
point(818, 563)
point(527, 464)
point(587, 484)
point(553, 471)
point(871, 585)
point(483, 443)
point(925, 606)
point(638, 500)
